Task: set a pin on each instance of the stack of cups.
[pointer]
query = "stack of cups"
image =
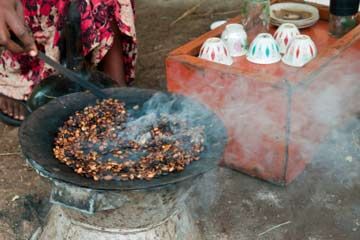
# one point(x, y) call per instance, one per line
point(233, 43)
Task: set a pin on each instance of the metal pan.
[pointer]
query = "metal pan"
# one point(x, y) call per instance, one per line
point(38, 131)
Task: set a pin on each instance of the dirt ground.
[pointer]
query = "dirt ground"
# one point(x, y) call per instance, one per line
point(322, 204)
point(157, 38)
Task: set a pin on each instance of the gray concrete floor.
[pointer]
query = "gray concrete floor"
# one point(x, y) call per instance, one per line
point(322, 204)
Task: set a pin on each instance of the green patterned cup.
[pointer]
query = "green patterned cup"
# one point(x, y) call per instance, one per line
point(264, 50)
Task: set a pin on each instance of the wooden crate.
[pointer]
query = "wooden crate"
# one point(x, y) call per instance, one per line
point(276, 115)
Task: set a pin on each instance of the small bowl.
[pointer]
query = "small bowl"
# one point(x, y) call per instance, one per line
point(235, 38)
point(215, 50)
point(264, 50)
point(285, 34)
point(300, 51)
point(217, 24)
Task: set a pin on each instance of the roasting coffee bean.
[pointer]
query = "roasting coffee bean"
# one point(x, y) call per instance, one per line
point(93, 143)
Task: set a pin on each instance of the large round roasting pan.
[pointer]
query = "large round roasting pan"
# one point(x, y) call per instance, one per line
point(38, 131)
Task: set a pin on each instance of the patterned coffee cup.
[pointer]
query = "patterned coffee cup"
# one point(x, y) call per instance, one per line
point(264, 50)
point(300, 51)
point(285, 34)
point(215, 50)
point(235, 38)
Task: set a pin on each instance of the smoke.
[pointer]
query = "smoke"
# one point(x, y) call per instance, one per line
point(183, 122)
point(327, 108)
point(182, 117)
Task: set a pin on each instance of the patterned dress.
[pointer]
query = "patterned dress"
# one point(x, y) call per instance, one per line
point(19, 73)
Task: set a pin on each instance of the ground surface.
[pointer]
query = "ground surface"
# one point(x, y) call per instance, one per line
point(324, 202)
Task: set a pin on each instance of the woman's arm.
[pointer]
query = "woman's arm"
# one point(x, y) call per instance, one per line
point(12, 19)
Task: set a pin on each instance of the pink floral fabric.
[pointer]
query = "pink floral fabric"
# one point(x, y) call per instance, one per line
point(19, 73)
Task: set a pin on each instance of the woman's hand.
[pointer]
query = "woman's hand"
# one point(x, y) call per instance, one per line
point(12, 20)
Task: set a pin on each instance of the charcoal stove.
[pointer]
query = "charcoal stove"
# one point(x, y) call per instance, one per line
point(87, 209)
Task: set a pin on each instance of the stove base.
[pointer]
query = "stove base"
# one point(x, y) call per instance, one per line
point(64, 224)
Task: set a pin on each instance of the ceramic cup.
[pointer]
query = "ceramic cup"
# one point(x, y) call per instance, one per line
point(235, 38)
point(300, 51)
point(285, 34)
point(215, 50)
point(264, 50)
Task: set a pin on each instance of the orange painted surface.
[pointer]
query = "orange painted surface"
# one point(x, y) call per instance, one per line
point(335, 92)
point(235, 101)
point(269, 111)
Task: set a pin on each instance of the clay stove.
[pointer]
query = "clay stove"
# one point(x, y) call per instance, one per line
point(86, 209)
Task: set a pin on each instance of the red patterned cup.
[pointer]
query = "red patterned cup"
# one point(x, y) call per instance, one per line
point(214, 50)
point(300, 51)
point(285, 34)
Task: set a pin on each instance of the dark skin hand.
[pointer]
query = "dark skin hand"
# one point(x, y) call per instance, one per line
point(12, 20)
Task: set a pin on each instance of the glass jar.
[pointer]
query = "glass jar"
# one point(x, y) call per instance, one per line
point(342, 16)
point(256, 16)
point(340, 25)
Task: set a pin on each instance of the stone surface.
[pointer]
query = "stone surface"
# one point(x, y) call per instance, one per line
point(157, 213)
point(322, 204)
point(63, 224)
point(89, 201)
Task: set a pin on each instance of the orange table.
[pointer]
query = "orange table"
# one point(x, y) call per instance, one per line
point(276, 115)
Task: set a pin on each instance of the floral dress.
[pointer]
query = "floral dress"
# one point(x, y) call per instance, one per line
point(19, 73)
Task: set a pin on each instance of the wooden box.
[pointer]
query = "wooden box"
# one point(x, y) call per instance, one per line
point(276, 115)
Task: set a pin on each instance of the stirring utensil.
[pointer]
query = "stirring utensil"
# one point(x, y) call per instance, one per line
point(73, 76)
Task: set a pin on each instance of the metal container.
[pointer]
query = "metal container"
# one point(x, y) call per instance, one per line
point(257, 16)
point(342, 16)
